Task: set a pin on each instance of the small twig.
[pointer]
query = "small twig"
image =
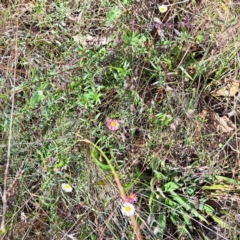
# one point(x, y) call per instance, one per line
point(4, 196)
point(177, 3)
point(12, 69)
point(189, 46)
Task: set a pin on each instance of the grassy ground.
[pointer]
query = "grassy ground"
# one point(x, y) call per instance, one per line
point(66, 67)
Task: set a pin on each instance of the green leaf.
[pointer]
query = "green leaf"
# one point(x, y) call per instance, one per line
point(222, 187)
point(157, 174)
point(135, 39)
point(163, 119)
point(163, 222)
point(185, 72)
point(113, 14)
point(37, 97)
point(183, 231)
point(226, 179)
point(175, 219)
point(155, 164)
point(186, 218)
point(127, 186)
point(218, 220)
point(190, 190)
point(170, 186)
point(188, 207)
point(205, 207)
point(95, 156)
point(199, 38)
point(171, 203)
point(152, 192)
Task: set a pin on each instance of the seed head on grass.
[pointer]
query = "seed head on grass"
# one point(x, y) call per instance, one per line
point(66, 187)
point(128, 209)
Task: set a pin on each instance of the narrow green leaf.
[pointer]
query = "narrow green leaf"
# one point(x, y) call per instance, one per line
point(185, 232)
point(175, 219)
point(187, 206)
point(222, 187)
point(95, 156)
point(226, 179)
point(113, 14)
point(170, 186)
point(186, 218)
point(185, 72)
point(36, 98)
point(163, 222)
point(218, 220)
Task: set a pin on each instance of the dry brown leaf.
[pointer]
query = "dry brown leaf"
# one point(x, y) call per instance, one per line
point(190, 113)
point(225, 124)
point(203, 114)
point(27, 6)
point(82, 39)
point(220, 124)
point(229, 90)
point(90, 41)
point(174, 125)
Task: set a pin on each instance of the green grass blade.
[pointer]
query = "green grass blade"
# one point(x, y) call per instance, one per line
point(187, 206)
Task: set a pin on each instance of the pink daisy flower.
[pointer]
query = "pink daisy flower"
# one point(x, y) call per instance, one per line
point(112, 124)
point(132, 198)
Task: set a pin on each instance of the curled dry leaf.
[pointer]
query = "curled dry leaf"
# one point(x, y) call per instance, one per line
point(229, 90)
point(174, 125)
point(190, 113)
point(157, 20)
point(225, 124)
point(221, 124)
point(90, 41)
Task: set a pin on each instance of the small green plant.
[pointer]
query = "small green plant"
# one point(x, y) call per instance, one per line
point(135, 39)
point(168, 202)
point(163, 119)
point(114, 14)
point(90, 98)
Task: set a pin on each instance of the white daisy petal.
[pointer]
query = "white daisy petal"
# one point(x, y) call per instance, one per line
point(128, 209)
point(66, 187)
point(162, 8)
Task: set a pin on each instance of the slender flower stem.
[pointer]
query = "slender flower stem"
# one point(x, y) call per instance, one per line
point(119, 185)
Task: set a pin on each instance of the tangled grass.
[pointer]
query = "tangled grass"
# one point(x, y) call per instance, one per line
point(170, 81)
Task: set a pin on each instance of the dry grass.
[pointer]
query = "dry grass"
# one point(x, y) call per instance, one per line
point(73, 64)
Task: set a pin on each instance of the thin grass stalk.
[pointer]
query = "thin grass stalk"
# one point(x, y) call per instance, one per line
point(4, 195)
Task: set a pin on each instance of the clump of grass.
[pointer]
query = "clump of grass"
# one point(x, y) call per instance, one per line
point(74, 66)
